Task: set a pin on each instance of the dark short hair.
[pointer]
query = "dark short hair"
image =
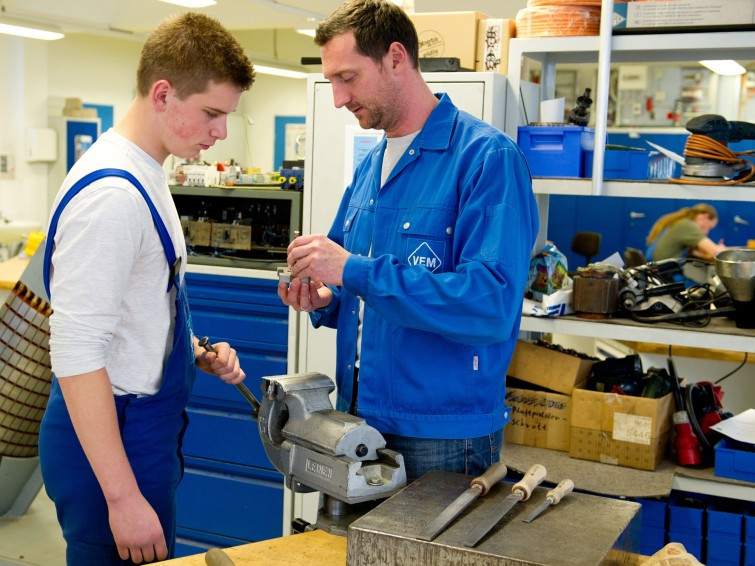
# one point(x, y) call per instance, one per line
point(375, 25)
point(190, 50)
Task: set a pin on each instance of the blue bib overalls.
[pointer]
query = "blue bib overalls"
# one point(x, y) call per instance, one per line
point(151, 428)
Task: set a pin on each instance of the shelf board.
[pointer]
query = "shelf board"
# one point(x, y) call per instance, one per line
point(719, 334)
point(643, 189)
point(640, 47)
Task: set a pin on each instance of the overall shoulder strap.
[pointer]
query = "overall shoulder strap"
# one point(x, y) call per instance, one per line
point(170, 253)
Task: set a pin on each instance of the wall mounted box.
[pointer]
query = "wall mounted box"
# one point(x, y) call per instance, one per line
point(448, 34)
point(734, 463)
point(620, 164)
point(555, 151)
point(620, 429)
point(41, 145)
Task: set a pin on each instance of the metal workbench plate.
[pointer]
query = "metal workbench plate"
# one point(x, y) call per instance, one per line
point(584, 530)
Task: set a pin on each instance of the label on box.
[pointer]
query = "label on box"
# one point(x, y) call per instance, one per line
point(681, 13)
point(632, 428)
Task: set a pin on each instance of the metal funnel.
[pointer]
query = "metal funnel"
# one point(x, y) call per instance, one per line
point(736, 269)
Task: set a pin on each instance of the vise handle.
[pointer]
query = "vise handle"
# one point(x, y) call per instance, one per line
point(205, 343)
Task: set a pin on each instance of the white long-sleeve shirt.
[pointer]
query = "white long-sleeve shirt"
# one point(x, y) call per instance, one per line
point(109, 272)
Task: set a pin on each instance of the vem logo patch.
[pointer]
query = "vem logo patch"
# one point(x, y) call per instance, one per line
point(426, 256)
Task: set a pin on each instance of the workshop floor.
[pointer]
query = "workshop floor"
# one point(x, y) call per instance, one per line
point(34, 538)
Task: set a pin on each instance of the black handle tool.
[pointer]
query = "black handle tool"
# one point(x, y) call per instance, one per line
point(205, 343)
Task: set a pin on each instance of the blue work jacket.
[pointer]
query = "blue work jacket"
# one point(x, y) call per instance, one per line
point(450, 233)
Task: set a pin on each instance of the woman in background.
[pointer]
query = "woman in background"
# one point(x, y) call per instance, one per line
point(684, 233)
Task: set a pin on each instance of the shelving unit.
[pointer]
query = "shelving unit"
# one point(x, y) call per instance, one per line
point(675, 47)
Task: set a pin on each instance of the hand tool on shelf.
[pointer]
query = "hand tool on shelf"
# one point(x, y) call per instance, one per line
point(478, 487)
point(204, 342)
point(520, 492)
point(553, 497)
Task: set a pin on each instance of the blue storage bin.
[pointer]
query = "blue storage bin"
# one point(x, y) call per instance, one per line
point(653, 513)
point(653, 539)
point(692, 544)
point(735, 460)
point(555, 151)
point(723, 553)
point(749, 555)
point(725, 523)
point(686, 512)
point(620, 164)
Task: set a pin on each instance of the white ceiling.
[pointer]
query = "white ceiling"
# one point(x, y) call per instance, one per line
point(138, 17)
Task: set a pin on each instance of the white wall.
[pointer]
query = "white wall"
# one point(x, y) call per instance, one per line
point(23, 104)
point(102, 70)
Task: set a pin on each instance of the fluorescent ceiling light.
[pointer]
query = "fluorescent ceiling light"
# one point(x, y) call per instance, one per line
point(309, 32)
point(265, 70)
point(724, 67)
point(30, 30)
point(192, 3)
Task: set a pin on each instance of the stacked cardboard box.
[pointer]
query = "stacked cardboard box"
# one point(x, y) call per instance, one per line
point(620, 429)
point(540, 400)
point(479, 42)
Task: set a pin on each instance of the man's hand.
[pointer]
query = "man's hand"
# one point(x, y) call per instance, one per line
point(317, 257)
point(223, 362)
point(136, 529)
point(304, 297)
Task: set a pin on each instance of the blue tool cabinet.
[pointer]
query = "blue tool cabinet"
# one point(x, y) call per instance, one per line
point(230, 493)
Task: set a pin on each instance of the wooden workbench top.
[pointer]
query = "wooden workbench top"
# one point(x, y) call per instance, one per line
point(11, 270)
point(315, 548)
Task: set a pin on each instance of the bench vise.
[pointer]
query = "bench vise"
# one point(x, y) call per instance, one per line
point(317, 448)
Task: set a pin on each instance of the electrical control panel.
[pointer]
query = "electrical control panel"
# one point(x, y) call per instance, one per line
point(238, 227)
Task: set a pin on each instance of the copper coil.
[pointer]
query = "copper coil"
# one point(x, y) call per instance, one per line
point(557, 21)
point(25, 370)
point(566, 3)
point(31, 299)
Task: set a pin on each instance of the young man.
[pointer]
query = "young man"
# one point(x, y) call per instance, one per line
point(424, 269)
point(121, 344)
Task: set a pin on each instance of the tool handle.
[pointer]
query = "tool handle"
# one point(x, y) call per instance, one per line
point(216, 557)
point(563, 488)
point(533, 478)
point(492, 476)
point(204, 342)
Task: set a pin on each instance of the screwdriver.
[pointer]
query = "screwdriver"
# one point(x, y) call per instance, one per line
point(205, 343)
point(563, 488)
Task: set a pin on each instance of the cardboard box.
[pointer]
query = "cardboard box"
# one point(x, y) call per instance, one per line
point(448, 34)
point(493, 35)
point(620, 429)
point(538, 418)
point(548, 368)
point(678, 15)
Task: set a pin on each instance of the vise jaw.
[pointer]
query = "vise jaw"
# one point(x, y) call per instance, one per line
point(317, 448)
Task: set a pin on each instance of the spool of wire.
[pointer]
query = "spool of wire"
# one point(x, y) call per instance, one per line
point(25, 370)
point(554, 18)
